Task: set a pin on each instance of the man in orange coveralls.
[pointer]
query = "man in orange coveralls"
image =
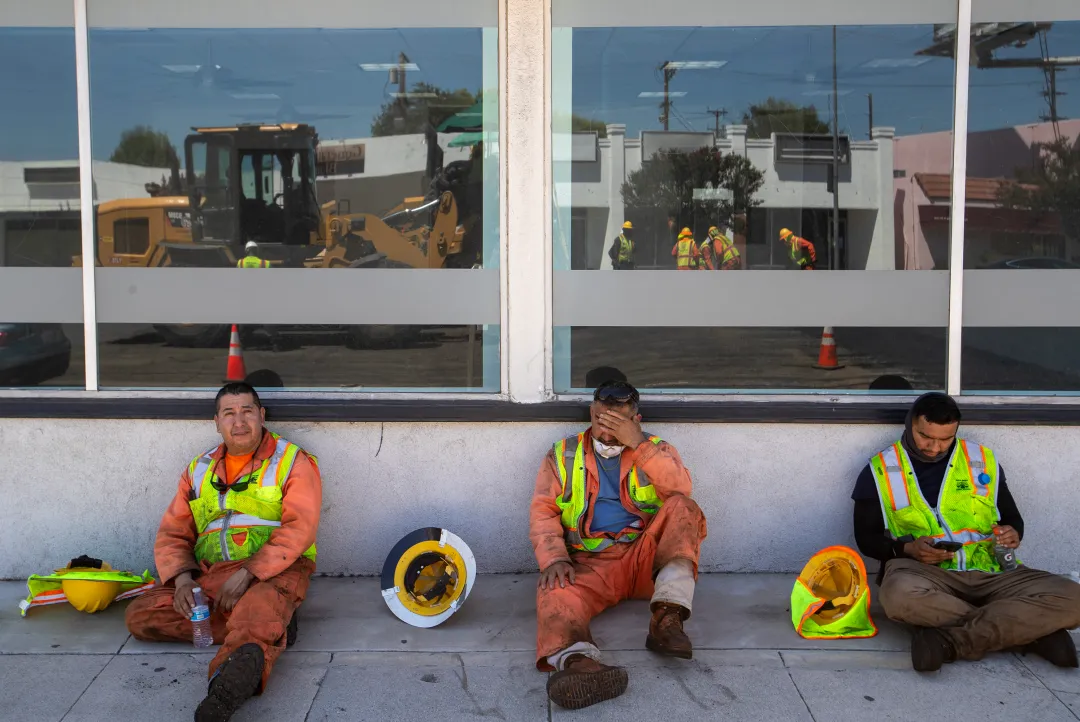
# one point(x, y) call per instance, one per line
point(242, 527)
point(611, 519)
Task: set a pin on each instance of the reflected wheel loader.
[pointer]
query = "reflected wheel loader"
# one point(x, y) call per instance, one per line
point(257, 183)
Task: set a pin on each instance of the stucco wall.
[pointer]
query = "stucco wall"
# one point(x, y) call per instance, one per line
point(773, 493)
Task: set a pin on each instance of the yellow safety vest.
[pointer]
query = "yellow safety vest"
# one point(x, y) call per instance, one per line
point(233, 525)
point(730, 252)
point(684, 253)
point(573, 502)
point(966, 509)
point(626, 249)
point(252, 262)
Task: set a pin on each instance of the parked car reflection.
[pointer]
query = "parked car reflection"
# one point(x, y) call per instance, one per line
point(32, 353)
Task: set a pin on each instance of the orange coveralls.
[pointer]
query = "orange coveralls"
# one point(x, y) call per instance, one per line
point(281, 573)
point(622, 571)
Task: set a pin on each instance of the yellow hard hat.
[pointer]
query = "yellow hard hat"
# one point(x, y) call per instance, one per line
point(685, 233)
point(714, 231)
point(86, 595)
point(628, 226)
point(785, 234)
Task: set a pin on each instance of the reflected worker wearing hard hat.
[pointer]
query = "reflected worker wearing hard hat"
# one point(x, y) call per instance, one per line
point(242, 527)
point(611, 519)
point(251, 257)
point(686, 251)
point(719, 253)
point(801, 250)
point(622, 250)
point(935, 510)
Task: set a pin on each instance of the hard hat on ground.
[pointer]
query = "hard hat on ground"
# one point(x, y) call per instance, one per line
point(785, 234)
point(251, 246)
point(831, 597)
point(627, 225)
point(685, 233)
point(88, 584)
point(427, 576)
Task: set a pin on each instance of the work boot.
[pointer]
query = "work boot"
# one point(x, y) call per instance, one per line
point(290, 631)
point(930, 649)
point(235, 683)
point(1057, 648)
point(666, 635)
point(583, 681)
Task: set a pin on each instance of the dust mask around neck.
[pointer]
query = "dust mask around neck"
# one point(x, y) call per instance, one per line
point(608, 451)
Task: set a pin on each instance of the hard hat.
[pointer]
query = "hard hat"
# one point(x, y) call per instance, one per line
point(685, 233)
point(87, 595)
point(831, 597)
point(628, 226)
point(427, 576)
point(714, 231)
point(785, 234)
point(251, 246)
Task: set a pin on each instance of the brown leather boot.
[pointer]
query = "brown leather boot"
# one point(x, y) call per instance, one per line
point(666, 635)
point(583, 681)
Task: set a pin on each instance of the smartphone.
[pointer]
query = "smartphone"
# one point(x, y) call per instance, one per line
point(948, 546)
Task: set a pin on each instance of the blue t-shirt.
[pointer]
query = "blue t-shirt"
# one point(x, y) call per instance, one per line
point(609, 514)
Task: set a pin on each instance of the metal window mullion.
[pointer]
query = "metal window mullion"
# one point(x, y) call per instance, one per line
point(959, 198)
point(86, 195)
point(527, 192)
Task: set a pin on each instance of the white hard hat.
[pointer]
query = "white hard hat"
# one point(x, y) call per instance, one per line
point(427, 576)
point(251, 246)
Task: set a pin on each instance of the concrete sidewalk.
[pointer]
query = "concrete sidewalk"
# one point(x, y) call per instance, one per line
point(355, 661)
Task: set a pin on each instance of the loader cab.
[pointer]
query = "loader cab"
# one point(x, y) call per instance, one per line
point(253, 183)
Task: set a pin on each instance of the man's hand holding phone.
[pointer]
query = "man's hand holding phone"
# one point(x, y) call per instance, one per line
point(924, 550)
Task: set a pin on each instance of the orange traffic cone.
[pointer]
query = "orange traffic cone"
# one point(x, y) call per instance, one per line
point(235, 371)
point(827, 355)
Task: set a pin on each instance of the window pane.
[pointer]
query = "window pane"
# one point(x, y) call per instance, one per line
point(1022, 235)
point(723, 145)
point(233, 161)
point(41, 333)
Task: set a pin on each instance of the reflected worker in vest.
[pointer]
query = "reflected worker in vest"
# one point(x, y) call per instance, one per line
point(611, 519)
point(622, 250)
point(930, 489)
point(242, 527)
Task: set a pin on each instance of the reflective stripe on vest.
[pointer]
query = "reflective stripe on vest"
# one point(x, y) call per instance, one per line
point(573, 503)
point(252, 262)
point(965, 511)
point(255, 511)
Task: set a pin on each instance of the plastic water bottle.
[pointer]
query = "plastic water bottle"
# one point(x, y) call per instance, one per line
point(1006, 557)
point(201, 633)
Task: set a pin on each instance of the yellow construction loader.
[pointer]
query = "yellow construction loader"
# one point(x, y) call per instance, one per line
point(257, 183)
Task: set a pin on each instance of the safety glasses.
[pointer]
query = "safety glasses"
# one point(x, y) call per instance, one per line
point(617, 392)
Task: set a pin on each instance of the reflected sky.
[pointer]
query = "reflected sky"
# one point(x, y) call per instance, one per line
point(146, 77)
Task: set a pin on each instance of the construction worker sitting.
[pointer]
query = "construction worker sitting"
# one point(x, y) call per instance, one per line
point(717, 251)
point(622, 250)
point(685, 251)
point(251, 259)
point(935, 510)
point(802, 250)
point(611, 519)
point(242, 528)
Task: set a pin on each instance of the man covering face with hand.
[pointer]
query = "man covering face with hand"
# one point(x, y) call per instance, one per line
point(611, 519)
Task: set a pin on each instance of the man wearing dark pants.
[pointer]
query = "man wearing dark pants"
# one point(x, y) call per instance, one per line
point(932, 487)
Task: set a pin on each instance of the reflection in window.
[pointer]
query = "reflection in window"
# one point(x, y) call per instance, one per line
point(355, 150)
point(710, 132)
point(1023, 199)
point(724, 149)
